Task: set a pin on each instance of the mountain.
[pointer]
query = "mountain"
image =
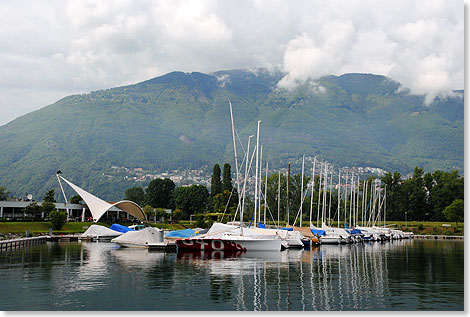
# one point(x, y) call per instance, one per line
point(182, 120)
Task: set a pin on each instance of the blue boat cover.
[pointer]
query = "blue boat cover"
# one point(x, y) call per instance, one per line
point(318, 232)
point(354, 231)
point(288, 229)
point(185, 233)
point(120, 228)
point(260, 225)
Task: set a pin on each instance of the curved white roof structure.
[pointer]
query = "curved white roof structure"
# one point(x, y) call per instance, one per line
point(99, 207)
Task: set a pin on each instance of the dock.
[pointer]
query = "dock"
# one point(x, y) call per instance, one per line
point(436, 237)
point(13, 244)
point(163, 246)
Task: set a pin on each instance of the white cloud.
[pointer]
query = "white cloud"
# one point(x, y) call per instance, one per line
point(58, 47)
point(418, 44)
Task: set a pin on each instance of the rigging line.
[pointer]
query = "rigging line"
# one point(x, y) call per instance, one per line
point(301, 203)
point(268, 209)
point(249, 168)
point(228, 201)
point(238, 137)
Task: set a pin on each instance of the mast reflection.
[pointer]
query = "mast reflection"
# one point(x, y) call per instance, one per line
point(327, 277)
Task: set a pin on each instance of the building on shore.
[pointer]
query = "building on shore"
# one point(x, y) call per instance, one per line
point(15, 210)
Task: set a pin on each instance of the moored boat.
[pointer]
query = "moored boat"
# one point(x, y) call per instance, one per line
point(140, 239)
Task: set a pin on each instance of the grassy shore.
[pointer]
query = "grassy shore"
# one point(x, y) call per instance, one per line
point(15, 229)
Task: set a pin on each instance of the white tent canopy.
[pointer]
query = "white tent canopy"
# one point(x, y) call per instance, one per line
point(99, 207)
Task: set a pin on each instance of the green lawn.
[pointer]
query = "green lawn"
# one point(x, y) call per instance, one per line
point(38, 228)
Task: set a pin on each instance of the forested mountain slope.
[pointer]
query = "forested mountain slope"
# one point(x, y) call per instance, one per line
point(182, 120)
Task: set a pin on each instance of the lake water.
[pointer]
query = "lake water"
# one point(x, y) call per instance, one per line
point(398, 275)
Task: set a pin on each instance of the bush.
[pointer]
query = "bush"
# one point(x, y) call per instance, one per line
point(420, 226)
point(177, 214)
point(58, 219)
point(200, 221)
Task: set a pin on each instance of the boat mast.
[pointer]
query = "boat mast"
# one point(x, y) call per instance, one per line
point(339, 193)
point(302, 191)
point(244, 184)
point(319, 192)
point(329, 204)
point(313, 188)
point(287, 193)
point(256, 174)
point(279, 198)
point(260, 187)
point(358, 196)
point(235, 153)
point(266, 192)
point(385, 201)
point(351, 200)
point(325, 184)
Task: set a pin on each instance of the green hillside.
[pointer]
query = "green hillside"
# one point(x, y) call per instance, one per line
point(182, 120)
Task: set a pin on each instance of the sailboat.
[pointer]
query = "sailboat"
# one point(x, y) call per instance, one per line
point(327, 234)
point(289, 238)
point(235, 238)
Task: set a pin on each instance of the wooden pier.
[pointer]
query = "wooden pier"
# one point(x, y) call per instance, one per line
point(13, 244)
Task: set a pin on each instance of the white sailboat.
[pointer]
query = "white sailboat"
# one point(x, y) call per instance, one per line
point(327, 234)
point(234, 238)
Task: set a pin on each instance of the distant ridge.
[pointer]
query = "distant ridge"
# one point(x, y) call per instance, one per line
point(181, 121)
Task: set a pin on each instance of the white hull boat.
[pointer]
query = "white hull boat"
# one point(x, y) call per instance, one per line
point(330, 239)
point(222, 237)
point(140, 239)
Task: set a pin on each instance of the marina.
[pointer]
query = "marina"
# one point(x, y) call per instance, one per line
point(409, 274)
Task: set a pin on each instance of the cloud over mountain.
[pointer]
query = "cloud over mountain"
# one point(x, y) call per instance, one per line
point(55, 48)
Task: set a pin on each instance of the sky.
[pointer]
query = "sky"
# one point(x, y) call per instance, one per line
point(55, 48)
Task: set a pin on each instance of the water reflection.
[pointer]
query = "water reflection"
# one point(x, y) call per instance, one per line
point(398, 275)
point(330, 277)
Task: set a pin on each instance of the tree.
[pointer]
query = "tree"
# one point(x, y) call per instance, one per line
point(148, 211)
point(227, 178)
point(229, 192)
point(159, 193)
point(395, 197)
point(161, 214)
point(58, 219)
point(50, 196)
point(135, 194)
point(417, 198)
point(455, 211)
point(75, 199)
point(3, 193)
point(446, 188)
point(47, 207)
point(216, 184)
point(33, 209)
point(191, 199)
point(176, 214)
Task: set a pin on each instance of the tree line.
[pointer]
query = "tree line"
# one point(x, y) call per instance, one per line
point(436, 196)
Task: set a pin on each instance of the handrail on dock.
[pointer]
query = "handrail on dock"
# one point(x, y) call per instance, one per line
point(13, 244)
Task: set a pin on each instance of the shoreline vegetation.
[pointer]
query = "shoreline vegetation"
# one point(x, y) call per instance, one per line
point(12, 230)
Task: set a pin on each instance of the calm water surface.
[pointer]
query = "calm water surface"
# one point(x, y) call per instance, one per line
point(398, 275)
